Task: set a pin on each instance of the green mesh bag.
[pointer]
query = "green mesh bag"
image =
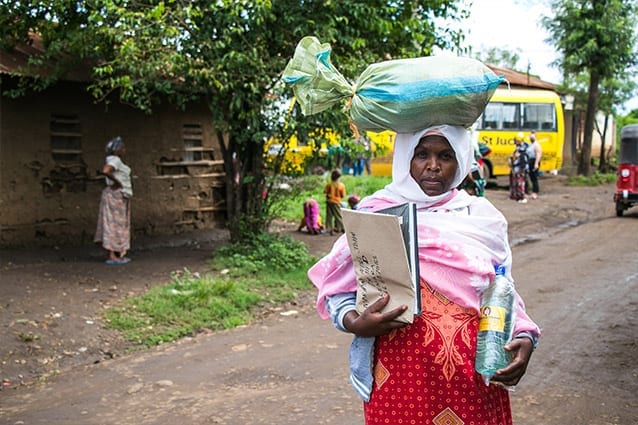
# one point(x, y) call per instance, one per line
point(403, 95)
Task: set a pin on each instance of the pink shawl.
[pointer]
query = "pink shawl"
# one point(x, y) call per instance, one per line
point(461, 239)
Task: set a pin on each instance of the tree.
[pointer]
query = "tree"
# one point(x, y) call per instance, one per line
point(230, 53)
point(630, 118)
point(613, 93)
point(598, 37)
point(500, 57)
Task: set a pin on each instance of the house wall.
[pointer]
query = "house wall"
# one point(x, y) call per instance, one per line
point(45, 201)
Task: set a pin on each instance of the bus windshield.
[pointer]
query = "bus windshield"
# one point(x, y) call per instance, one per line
point(518, 116)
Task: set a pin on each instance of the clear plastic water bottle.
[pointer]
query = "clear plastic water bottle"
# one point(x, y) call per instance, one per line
point(495, 326)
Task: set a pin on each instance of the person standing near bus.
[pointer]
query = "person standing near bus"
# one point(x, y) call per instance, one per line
point(518, 169)
point(534, 153)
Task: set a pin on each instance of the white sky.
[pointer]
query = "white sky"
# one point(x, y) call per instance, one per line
point(512, 25)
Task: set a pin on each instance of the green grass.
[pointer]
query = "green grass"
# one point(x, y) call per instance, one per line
point(244, 278)
point(595, 179)
point(266, 271)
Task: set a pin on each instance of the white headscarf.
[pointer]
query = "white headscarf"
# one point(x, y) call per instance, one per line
point(403, 187)
point(113, 145)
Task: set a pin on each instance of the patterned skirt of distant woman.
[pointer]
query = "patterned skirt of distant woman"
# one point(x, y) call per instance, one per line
point(114, 221)
point(517, 185)
point(424, 373)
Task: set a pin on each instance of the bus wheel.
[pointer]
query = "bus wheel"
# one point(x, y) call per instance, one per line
point(486, 170)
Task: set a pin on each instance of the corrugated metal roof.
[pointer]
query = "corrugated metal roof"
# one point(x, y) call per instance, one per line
point(516, 78)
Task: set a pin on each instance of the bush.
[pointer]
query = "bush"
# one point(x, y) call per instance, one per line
point(263, 253)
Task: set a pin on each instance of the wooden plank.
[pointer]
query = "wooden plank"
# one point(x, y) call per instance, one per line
point(74, 151)
point(188, 176)
point(193, 149)
point(205, 209)
point(203, 162)
point(66, 134)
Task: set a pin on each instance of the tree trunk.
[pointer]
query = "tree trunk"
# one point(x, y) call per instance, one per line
point(244, 169)
point(252, 189)
point(231, 180)
point(584, 165)
point(602, 165)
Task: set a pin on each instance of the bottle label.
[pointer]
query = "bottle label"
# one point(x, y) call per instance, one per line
point(492, 318)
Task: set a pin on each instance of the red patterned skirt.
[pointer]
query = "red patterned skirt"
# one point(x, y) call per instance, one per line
point(424, 373)
point(517, 185)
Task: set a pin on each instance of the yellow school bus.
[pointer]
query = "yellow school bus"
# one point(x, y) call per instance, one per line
point(511, 111)
point(297, 153)
point(381, 164)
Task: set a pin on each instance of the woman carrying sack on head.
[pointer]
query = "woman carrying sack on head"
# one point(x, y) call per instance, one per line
point(423, 372)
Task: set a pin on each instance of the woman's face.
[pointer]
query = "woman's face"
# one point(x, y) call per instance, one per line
point(121, 151)
point(434, 165)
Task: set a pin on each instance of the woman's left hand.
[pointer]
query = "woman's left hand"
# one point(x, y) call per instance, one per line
point(521, 351)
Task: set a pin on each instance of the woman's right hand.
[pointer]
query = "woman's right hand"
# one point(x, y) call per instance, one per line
point(372, 322)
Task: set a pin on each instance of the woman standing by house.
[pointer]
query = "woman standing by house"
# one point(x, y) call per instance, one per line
point(114, 219)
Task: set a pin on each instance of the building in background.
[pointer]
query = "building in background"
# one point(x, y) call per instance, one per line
point(52, 150)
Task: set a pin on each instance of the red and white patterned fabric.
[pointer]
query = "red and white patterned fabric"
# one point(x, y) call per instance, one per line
point(424, 373)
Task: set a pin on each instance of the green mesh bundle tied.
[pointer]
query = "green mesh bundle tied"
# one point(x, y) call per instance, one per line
point(317, 84)
point(403, 95)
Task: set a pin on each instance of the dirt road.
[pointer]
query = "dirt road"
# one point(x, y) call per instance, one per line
point(575, 263)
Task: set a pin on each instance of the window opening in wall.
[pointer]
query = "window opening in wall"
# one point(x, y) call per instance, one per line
point(69, 173)
point(192, 136)
point(66, 139)
point(191, 159)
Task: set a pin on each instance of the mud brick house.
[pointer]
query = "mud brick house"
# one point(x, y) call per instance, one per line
point(52, 150)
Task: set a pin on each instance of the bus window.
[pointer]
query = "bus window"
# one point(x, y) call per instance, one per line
point(490, 117)
point(539, 116)
point(510, 115)
point(499, 116)
point(518, 116)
